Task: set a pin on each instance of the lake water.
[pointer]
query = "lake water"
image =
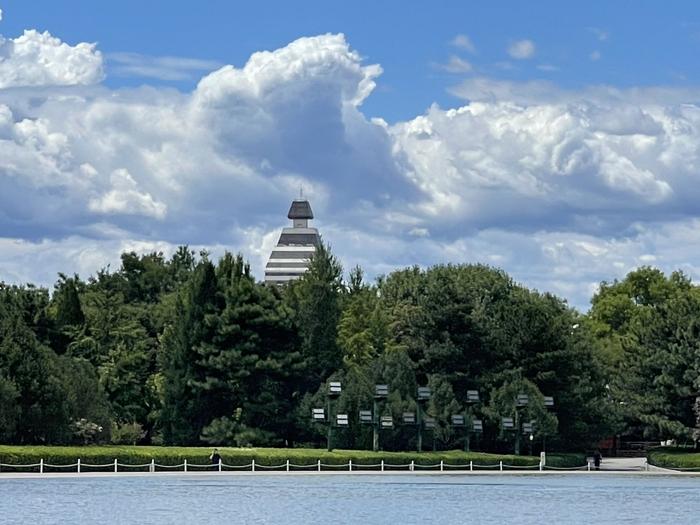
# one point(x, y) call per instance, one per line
point(366, 499)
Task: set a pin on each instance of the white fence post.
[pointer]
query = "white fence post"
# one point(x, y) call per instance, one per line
point(500, 465)
point(471, 465)
point(589, 466)
point(319, 465)
point(153, 465)
point(287, 465)
point(41, 466)
point(413, 465)
point(350, 465)
point(441, 465)
point(115, 464)
point(252, 465)
point(382, 467)
point(220, 461)
point(540, 465)
point(185, 465)
point(78, 465)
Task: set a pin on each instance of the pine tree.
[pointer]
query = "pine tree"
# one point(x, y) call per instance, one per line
point(184, 407)
point(316, 300)
point(68, 316)
point(253, 362)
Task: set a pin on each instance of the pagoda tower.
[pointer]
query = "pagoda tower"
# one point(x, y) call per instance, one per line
point(291, 257)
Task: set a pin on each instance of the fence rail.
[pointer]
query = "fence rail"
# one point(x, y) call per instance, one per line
point(116, 466)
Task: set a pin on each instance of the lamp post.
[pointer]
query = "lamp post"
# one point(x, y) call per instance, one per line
point(528, 430)
point(334, 390)
point(508, 425)
point(458, 421)
point(477, 428)
point(423, 397)
point(472, 399)
point(430, 424)
point(381, 392)
point(549, 405)
point(521, 401)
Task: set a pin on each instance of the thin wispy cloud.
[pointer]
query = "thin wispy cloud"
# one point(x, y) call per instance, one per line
point(600, 34)
point(549, 68)
point(505, 66)
point(462, 41)
point(162, 68)
point(456, 65)
point(522, 49)
point(595, 55)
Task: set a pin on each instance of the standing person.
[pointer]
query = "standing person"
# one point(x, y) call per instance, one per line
point(597, 458)
point(215, 458)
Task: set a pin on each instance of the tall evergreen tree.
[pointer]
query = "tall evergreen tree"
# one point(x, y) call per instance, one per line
point(316, 300)
point(253, 363)
point(184, 407)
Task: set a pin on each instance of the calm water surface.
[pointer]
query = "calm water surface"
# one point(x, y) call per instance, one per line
point(300, 500)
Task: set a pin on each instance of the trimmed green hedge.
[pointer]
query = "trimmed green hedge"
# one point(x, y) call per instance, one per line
point(674, 458)
point(18, 455)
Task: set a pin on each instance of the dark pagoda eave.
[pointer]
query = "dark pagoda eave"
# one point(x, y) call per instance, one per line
point(300, 210)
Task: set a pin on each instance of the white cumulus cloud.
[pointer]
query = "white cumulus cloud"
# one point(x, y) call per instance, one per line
point(39, 59)
point(561, 188)
point(126, 197)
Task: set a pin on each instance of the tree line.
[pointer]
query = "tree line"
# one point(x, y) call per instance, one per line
point(186, 350)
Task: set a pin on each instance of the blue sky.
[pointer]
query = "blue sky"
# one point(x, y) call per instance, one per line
point(557, 140)
point(639, 42)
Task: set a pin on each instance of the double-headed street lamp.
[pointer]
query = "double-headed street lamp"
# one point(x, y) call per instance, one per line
point(470, 426)
point(318, 415)
point(522, 400)
point(472, 399)
point(371, 417)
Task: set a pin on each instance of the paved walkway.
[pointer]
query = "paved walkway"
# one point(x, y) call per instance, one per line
point(623, 464)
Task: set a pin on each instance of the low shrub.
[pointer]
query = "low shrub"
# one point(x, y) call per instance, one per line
point(677, 458)
point(135, 455)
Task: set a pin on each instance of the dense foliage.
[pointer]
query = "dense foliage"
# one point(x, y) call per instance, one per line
point(189, 351)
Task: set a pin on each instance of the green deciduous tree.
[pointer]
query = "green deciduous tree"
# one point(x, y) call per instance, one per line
point(652, 322)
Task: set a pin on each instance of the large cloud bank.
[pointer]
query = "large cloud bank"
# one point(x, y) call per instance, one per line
point(561, 189)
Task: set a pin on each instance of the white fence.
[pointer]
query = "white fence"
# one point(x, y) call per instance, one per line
point(288, 466)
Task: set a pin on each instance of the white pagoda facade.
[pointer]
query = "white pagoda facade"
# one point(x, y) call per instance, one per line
point(290, 258)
